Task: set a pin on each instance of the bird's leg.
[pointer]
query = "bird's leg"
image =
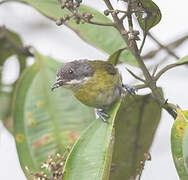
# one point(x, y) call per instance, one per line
point(103, 115)
point(130, 89)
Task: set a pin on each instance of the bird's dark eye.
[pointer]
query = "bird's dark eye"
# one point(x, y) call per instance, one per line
point(70, 71)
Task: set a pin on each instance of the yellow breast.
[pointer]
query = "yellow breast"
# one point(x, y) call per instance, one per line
point(101, 90)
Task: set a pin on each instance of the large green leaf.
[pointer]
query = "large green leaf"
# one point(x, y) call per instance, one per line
point(149, 16)
point(135, 126)
point(137, 117)
point(45, 121)
point(10, 44)
point(9, 40)
point(91, 155)
point(5, 104)
point(179, 143)
point(105, 38)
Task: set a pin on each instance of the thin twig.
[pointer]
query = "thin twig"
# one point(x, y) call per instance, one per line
point(155, 70)
point(168, 67)
point(171, 45)
point(143, 42)
point(135, 76)
point(132, 46)
point(100, 23)
point(129, 16)
point(141, 86)
point(123, 17)
point(162, 46)
point(118, 11)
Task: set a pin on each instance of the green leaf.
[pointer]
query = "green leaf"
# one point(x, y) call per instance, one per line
point(114, 58)
point(5, 104)
point(183, 60)
point(6, 109)
point(105, 38)
point(45, 121)
point(149, 16)
point(91, 155)
point(179, 143)
point(136, 122)
point(9, 42)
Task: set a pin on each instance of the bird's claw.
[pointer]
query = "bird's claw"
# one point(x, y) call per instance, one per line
point(130, 89)
point(102, 115)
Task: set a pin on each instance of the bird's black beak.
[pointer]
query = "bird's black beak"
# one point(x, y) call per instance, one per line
point(56, 84)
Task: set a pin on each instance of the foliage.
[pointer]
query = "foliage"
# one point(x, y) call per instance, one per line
point(47, 123)
point(179, 137)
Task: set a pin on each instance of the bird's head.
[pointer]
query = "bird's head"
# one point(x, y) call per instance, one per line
point(74, 74)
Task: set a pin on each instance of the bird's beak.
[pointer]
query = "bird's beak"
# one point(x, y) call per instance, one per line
point(56, 84)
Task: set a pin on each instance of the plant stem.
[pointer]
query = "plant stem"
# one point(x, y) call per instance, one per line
point(132, 46)
point(135, 76)
point(143, 42)
point(100, 23)
point(171, 45)
point(170, 66)
point(162, 46)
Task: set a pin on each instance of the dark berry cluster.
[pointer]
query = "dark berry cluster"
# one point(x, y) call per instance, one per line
point(72, 6)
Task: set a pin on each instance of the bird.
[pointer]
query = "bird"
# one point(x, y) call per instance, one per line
point(94, 83)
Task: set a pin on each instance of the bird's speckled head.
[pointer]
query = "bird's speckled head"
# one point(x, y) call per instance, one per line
point(73, 74)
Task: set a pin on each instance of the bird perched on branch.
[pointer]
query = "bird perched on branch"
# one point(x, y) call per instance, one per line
point(95, 83)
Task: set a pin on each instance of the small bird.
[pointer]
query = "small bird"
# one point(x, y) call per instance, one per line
point(95, 83)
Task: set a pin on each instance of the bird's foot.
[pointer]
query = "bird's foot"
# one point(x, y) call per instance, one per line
point(103, 115)
point(130, 89)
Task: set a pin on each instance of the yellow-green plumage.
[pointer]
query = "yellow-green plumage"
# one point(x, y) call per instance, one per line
point(95, 83)
point(103, 88)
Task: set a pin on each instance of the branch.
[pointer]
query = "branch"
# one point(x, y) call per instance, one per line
point(143, 42)
point(168, 67)
point(171, 45)
point(162, 46)
point(155, 70)
point(135, 76)
point(123, 17)
point(132, 46)
point(140, 86)
point(78, 17)
point(100, 23)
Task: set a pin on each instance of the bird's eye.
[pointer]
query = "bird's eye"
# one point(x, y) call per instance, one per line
point(70, 71)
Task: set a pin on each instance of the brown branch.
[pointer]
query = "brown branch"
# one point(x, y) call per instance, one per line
point(162, 46)
point(168, 67)
point(132, 46)
point(123, 17)
point(171, 45)
point(140, 86)
point(135, 76)
point(143, 42)
point(155, 70)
